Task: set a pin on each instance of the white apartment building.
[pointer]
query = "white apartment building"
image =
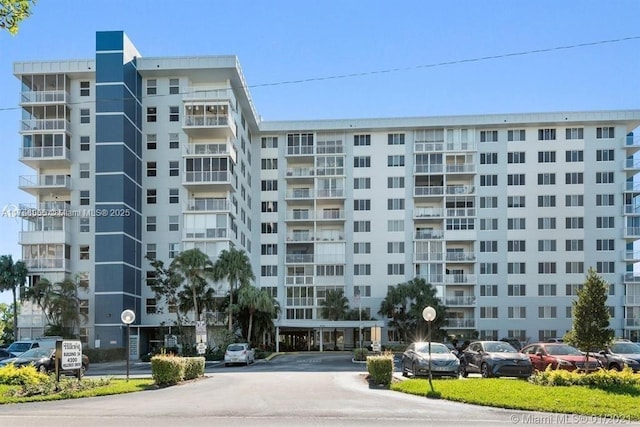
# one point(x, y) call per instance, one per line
point(503, 213)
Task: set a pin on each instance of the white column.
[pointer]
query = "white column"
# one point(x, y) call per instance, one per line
point(277, 339)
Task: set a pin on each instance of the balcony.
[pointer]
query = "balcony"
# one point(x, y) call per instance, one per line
point(460, 256)
point(38, 125)
point(631, 187)
point(205, 233)
point(427, 256)
point(195, 93)
point(330, 193)
point(300, 193)
point(426, 213)
point(209, 121)
point(300, 150)
point(43, 97)
point(330, 215)
point(631, 210)
point(461, 323)
point(428, 168)
point(50, 157)
point(429, 235)
point(631, 256)
point(428, 147)
point(631, 300)
point(460, 168)
point(207, 205)
point(632, 323)
point(208, 149)
point(461, 146)
point(464, 301)
point(427, 190)
point(631, 233)
point(45, 184)
point(208, 180)
point(460, 279)
point(300, 302)
point(632, 165)
point(45, 236)
point(299, 258)
point(460, 190)
point(298, 280)
point(300, 172)
point(300, 215)
point(461, 213)
point(630, 278)
point(47, 264)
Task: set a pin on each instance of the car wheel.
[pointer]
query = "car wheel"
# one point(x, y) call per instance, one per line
point(485, 371)
point(42, 369)
point(615, 367)
point(83, 370)
point(463, 372)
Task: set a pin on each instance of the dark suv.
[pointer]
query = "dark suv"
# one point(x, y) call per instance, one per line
point(620, 353)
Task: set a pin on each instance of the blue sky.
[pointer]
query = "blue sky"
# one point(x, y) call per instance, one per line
point(283, 41)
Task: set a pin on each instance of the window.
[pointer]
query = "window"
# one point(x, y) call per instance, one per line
point(488, 180)
point(547, 290)
point(174, 222)
point(516, 312)
point(269, 270)
point(546, 156)
point(269, 228)
point(270, 164)
point(488, 136)
point(174, 195)
point(516, 290)
point(489, 246)
point(516, 268)
point(151, 305)
point(395, 139)
point(174, 140)
point(85, 88)
point(152, 86)
point(604, 178)
point(151, 196)
point(395, 269)
point(85, 225)
point(269, 185)
point(574, 245)
point(393, 182)
point(85, 115)
point(546, 179)
point(269, 206)
point(363, 291)
point(395, 204)
point(488, 158)
point(151, 223)
point(395, 247)
point(396, 160)
point(488, 312)
point(605, 199)
point(361, 140)
point(488, 268)
point(574, 178)
point(573, 200)
point(516, 157)
point(152, 114)
point(574, 267)
point(546, 201)
point(85, 197)
point(174, 86)
point(361, 226)
point(85, 143)
point(151, 251)
point(488, 290)
point(572, 289)
point(605, 267)
point(515, 179)
point(516, 246)
point(362, 205)
point(362, 248)
point(151, 169)
point(516, 223)
point(151, 141)
point(547, 312)
point(488, 202)
point(174, 168)
point(174, 249)
point(548, 223)
point(516, 201)
point(546, 134)
point(574, 222)
point(269, 142)
point(488, 223)
point(605, 132)
point(84, 170)
point(362, 269)
point(604, 155)
point(395, 225)
point(605, 245)
point(546, 268)
point(362, 162)
point(361, 183)
point(546, 245)
point(84, 252)
point(574, 156)
point(516, 135)
point(574, 133)
point(174, 113)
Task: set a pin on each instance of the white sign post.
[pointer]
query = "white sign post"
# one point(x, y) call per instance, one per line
point(68, 357)
point(201, 347)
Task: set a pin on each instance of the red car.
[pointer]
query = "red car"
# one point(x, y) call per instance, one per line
point(559, 356)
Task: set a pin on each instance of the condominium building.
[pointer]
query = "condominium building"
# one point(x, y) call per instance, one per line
point(503, 214)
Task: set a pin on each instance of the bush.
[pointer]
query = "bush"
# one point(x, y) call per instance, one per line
point(380, 368)
point(360, 354)
point(98, 355)
point(22, 376)
point(193, 367)
point(167, 370)
point(602, 379)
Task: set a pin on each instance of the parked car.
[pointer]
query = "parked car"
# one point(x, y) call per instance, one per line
point(415, 359)
point(239, 353)
point(43, 359)
point(494, 359)
point(559, 356)
point(18, 347)
point(620, 353)
point(4, 354)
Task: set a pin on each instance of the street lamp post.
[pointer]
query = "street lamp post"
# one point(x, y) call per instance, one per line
point(429, 314)
point(128, 317)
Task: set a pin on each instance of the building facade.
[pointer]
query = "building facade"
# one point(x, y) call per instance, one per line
point(503, 214)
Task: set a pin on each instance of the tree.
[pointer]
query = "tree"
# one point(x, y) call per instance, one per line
point(334, 307)
point(196, 267)
point(166, 284)
point(255, 300)
point(234, 266)
point(590, 330)
point(6, 324)
point(403, 305)
point(13, 12)
point(60, 304)
point(12, 276)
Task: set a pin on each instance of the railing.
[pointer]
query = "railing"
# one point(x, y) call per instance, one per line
point(330, 259)
point(299, 215)
point(426, 147)
point(429, 234)
point(45, 181)
point(300, 301)
point(298, 280)
point(631, 186)
point(632, 232)
point(460, 167)
point(461, 323)
point(215, 205)
point(631, 141)
point(631, 209)
point(207, 94)
point(630, 278)
point(464, 300)
point(329, 149)
point(213, 148)
point(430, 168)
point(45, 263)
point(299, 258)
point(300, 172)
point(461, 146)
point(330, 192)
point(45, 206)
point(452, 279)
point(300, 237)
point(330, 171)
point(630, 254)
point(632, 322)
point(330, 214)
point(299, 193)
point(461, 189)
point(218, 176)
point(432, 278)
point(44, 96)
point(44, 124)
point(205, 233)
point(632, 299)
point(428, 256)
point(460, 256)
point(428, 212)
point(631, 164)
point(44, 152)
point(310, 237)
point(462, 212)
point(300, 150)
point(427, 190)
point(206, 121)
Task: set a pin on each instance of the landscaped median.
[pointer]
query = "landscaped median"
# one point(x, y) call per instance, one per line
point(605, 394)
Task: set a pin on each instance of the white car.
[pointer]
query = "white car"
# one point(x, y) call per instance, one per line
point(239, 353)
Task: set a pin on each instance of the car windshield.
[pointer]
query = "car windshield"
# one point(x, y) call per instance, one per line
point(19, 347)
point(37, 352)
point(499, 347)
point(235, 347)
point(562, 350)
point(435, 348)
point(625, 348)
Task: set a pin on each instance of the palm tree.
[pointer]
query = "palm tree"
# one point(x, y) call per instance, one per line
point(12, 276)
point(234, 266)
point(334, 307)
point(196, 267)
point(255, 300)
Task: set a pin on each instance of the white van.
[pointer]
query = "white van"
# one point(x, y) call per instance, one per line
point(18, 347)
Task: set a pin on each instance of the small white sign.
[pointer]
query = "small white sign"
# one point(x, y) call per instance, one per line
point(71, 355)
point(201, 347)
point(201, 328)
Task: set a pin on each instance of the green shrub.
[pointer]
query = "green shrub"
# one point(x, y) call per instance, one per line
point(380, 368)
point(22, 376)
point(99, 355)
point(193, 367)
point(602, 379)
point(360, 354)
point(167, 369)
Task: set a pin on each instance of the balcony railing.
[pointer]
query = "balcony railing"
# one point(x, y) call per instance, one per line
point(461, 323)
point(631, 232)
point(28, 125)
point(330, 192)
point(631, 164)
point(631, 209)
point(217, 176)
point(299, 215)
point(330, 214)
point(461, 167)
point(44, 97)
point(631, 186)
point(632, 300)
point(429, 234)
point(453, 279)
point(300, 302)
point(207, 94)
point(428, 256)
point(430, 168)
point(427, 147)
point(44, 152)
point(461, 146)
point(305, 150)
point(205, 233)
point(634, 323)
point(212, 205)
point(300, 172)
point(460, 189)
point(311, 237)
point(298, 280)
point(460, 256)
point(427, 190)
point(299, 258)
point(299, 193)
point(428, 213)
point(630, 278)
point(464, 300)
point(631, 255)
point(462, 212)
point(43, 181)
point(197, 149)
point(46, 263)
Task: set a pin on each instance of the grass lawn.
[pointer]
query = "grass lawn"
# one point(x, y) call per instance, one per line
point(116, 386)
point(621, 404)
